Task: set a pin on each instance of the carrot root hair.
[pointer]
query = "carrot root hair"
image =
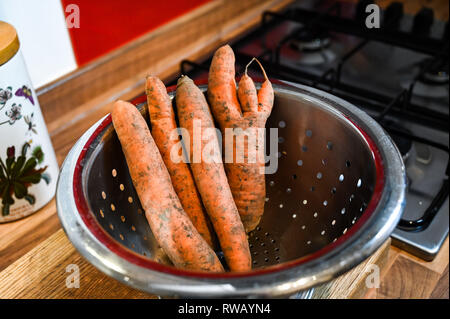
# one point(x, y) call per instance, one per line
point(260, 65)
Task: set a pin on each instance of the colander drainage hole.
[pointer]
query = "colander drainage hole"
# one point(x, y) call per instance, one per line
point(294, 176)
point(308, 242)
point(277, 249)
point(319, 175)
point(333, 190)
point(282, 124)
point(114, 172)
point(280, 140)
point(266, 259)
point(288, 190)
point(347, 163)
point(103, 195)
point(294, 216)
point(299, 163)
point(308, 133)
point(325, 203)
point(343, 211)
point(359, 183)
point(271, 183)
point(305, 202)
point(330, 146)
point(341, 177)
point(312, 189)
point(315, 215)
point(304, 148)
point(322, 232)
point(122, 188)
point(324, 162)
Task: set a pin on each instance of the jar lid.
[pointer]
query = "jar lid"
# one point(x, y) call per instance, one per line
point(9, 42)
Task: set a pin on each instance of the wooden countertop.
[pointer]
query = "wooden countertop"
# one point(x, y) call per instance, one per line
point(71, 105)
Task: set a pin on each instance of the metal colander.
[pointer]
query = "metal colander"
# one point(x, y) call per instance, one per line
point(335, 198)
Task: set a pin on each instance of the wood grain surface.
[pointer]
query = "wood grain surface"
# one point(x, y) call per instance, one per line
point(73, 103)
point(44, 271)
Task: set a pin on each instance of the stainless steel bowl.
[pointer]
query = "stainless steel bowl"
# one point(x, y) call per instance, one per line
point(336, 197)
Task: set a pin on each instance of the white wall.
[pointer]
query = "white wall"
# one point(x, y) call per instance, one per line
point(44, 38)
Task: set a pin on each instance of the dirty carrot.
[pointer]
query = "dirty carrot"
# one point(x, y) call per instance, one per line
point(209, 174)
point(164, 132)
point(169, 223)
point(246, 178)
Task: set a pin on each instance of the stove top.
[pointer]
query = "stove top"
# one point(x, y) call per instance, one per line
point(398, 74)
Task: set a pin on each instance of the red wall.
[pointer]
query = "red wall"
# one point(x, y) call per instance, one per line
point(108, 24)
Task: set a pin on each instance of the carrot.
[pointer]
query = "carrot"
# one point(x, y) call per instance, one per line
point(162, 120)
point(246, 181)
point(210, 177)
point(171, 226)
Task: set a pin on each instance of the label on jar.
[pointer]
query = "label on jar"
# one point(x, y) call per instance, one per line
point(28, 166)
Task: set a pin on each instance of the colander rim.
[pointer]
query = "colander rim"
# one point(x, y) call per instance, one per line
point(141, 261)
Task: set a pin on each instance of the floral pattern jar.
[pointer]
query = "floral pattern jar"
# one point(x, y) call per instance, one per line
point(28, 166)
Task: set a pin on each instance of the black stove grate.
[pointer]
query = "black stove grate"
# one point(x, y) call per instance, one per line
point(400, 105)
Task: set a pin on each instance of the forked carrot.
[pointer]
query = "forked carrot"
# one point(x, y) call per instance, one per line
point(171, 226)
point(246, 181)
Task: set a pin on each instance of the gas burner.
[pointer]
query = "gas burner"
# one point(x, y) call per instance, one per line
point(427, 90)
point(314, 47)
point(437, 73)
point(433, 83)
point(311, 41)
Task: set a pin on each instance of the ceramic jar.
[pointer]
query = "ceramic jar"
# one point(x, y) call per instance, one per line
point(28, 166)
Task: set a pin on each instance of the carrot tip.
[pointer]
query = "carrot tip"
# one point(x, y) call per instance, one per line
point(183, 79)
